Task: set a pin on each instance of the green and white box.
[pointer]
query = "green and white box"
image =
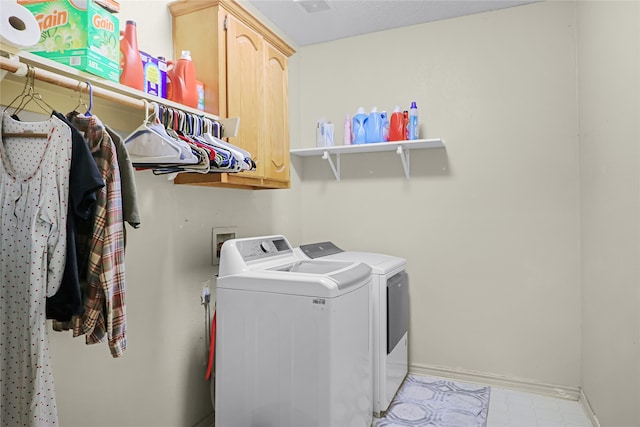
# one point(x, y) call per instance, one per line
point(78, 33)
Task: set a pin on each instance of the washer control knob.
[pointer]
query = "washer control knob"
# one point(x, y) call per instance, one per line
point(264, 246)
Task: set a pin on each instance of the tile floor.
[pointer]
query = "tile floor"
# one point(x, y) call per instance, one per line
point(510, 408)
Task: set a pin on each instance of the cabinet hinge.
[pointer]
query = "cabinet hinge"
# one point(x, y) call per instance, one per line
point(226, 22)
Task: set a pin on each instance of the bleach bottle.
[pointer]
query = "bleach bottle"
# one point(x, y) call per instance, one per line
point(373, 127)
point(358, 128)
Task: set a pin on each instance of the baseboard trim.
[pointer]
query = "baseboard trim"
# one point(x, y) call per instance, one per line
point(207, 421)
point(587, 408)
point(522, 384)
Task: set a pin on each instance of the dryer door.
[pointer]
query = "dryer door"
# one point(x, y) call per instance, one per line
point(397, 309)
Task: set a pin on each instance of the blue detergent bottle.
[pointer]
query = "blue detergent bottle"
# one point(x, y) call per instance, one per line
point(358, 128)
point(373, 128)
point(412, 126)
point(385, 126)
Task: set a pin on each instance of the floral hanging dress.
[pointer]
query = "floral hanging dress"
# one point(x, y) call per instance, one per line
point(34, 175)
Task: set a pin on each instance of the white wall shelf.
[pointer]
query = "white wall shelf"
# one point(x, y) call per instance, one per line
point(402, 148)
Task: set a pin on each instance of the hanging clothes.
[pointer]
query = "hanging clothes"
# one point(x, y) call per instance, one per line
point(84, 180)
point(104, 317)
point(34, 176)
point(130, 211)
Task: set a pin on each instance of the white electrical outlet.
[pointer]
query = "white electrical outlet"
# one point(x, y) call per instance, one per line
point(219, 235)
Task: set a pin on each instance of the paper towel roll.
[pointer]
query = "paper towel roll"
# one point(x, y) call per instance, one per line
point(18, 26)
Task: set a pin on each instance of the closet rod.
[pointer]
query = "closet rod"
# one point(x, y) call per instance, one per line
point(69, 83)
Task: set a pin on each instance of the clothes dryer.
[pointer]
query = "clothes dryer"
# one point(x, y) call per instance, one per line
point(390, 304)
point(292, 341)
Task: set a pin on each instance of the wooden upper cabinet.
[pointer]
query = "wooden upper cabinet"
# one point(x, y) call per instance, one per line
point(243, 66)
point(246, 88)
point(277, 115)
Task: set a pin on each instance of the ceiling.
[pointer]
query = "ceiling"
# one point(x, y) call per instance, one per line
point(309, 22)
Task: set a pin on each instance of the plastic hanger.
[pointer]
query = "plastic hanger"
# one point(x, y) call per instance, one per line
point(184, 147)
point(147, 146)
point(243, 157)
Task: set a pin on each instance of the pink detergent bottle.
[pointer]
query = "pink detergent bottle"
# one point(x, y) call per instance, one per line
point(181, 76)
point(132, 71)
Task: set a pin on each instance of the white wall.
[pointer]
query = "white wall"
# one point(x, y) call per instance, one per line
point(609, 83)
point(489, 225)
point(159, 381)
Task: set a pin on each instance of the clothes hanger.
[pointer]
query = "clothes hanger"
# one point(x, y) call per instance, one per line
point(150, 143)
point(28, 94)
point(185, 147)
point(88, 112)
point(32, 95)
point(81, 102)
point(212, 127)
point(25, 89)
point(242, 157)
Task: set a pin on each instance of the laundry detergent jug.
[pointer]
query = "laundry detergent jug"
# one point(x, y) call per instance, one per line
point(385, 126)
point(358, 128)
point(373, 127)
point(132, 71)
point(181, 80)
point(397, 126)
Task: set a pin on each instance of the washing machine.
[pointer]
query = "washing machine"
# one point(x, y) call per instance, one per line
point(390, 299)
point(292, 338)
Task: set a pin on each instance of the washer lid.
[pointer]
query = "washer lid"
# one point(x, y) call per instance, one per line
point(381, 264)
point(320, 249)
point(313, 267)
point(306, 278)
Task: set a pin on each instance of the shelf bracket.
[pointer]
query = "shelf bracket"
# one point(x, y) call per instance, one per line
point(405, 157)
point(335, 167)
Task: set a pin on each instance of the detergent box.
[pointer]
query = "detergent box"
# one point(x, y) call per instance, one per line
point(155, 75)
point(78, 33)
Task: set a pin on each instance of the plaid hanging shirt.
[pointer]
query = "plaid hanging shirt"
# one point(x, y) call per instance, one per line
point(103, 246)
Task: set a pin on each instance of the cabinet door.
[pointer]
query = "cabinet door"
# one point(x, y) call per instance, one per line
point(245, 89)
point(276, 116)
